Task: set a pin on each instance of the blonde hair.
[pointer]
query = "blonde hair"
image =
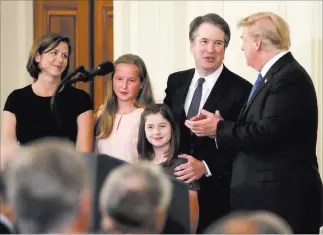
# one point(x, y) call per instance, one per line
point(272, 29)
point(143, 98)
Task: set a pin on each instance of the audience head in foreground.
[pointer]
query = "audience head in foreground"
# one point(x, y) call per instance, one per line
point(48, 188)
point(135, 199)
point(7, 149)
point(258, 222)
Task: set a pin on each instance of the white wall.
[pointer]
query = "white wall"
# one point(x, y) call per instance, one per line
point(16, 39)
point(158, 32)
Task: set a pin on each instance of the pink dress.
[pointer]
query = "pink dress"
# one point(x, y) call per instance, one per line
point(122, 142)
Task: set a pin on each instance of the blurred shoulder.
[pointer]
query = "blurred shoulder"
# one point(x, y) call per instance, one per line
point(22, 91)
point(77, 91)
point(182, 73)
point(236, 79)
point(181, 76)
point(176, 161)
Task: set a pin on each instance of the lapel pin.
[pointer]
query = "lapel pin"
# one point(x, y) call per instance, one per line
point(265, 80)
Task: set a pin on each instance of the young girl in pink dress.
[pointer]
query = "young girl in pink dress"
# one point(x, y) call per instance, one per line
point(128, 93)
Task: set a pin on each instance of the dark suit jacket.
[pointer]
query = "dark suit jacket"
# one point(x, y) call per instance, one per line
point(228, 95)
point(101, 166)
point(276, 166)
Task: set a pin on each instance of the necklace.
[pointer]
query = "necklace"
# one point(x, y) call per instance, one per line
point(119, 122)
point(121, 115)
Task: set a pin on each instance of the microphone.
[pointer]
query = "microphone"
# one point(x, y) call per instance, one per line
point(102, 69)
point(79, 75)
point(80, 69)
point(85, 76)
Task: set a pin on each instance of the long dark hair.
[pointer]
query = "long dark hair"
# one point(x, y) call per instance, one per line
point(144, 148)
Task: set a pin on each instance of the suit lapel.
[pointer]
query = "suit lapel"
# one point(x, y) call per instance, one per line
point(218, 91)
point(216, 94)
point(242, 111)
point(266, 80)
point(180, 95)
point(178, 100)
point(212, 103)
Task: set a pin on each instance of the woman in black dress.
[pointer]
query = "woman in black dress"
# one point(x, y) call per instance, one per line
point(158, 141)
point(27, 115)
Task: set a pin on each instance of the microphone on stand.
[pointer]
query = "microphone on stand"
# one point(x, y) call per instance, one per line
point(80, 69)
point(78, 75)
point(85, 76)
point(61, 86)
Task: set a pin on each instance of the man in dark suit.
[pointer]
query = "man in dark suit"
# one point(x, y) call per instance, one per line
point(210, 86)
point(276, 166)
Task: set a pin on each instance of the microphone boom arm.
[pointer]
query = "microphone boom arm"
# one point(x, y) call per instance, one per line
point(60, 87)
point(80, 75)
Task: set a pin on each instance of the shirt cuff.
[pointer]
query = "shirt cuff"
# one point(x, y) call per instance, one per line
point(216, 143)
point(208, 172)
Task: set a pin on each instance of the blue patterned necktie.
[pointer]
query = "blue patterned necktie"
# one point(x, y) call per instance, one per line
point(257, 83)
point(196, 100)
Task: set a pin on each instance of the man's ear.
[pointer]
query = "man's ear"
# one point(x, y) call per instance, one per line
point(106, 223)
point(259, 44)
point(191, 45)
point(85, 202)
point(85, 210)
point(160, 220)
point(81, 223)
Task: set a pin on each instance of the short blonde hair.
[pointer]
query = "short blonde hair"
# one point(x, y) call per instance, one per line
point(269, 27)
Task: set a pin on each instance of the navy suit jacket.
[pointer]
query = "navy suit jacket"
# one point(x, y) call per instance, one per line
point(276, 165)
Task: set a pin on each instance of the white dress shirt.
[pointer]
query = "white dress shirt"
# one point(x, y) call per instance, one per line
point(207, 87)
point(271, 62)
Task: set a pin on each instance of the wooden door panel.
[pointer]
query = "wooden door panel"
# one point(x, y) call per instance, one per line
point(71, 19)
point(103, 45)
point(64, 25)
